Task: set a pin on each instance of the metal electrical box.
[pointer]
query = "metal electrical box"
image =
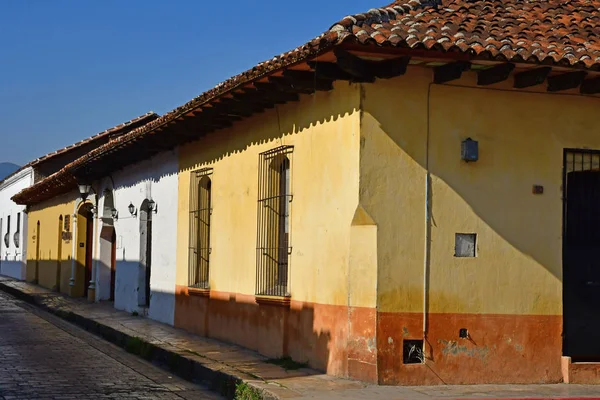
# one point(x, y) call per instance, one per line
point(469, 150)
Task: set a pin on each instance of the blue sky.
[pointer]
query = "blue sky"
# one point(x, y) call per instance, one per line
point(71, 68)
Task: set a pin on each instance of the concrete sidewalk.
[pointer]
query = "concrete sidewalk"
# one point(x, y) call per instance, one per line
point(225, 367)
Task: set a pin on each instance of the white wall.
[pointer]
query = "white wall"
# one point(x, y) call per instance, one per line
point(154, 179)
point(13, 259)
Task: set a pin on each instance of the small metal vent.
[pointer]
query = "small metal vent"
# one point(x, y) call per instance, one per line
point(412, 352)
point(465, 245)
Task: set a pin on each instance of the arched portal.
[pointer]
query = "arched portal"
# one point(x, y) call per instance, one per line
point(59, 253)
point(145, 254)
point(84, 260)
point(106, 273)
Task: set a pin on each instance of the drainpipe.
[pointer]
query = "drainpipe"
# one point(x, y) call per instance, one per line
point(427, 247)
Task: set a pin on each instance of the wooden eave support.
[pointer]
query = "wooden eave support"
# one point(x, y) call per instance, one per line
point(497, 73)
point(570, 80)
point(367, 70)
point(329, 70)
point(353, 65)
point(254, 97)
point(450, 72)
point(590, 86)
point(270, 91)
point(532, 77)
point(308, 79)
point(297, 86)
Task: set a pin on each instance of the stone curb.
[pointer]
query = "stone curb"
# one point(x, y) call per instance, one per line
point(217, 376)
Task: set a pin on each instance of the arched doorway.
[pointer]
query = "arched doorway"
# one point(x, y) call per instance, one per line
point(145, 253)
point(113, 264)
point(59, 254)
point(106, 275)
point(85, 238)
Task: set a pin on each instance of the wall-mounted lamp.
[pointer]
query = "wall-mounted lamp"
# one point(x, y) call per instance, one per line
point(84, 190)
point(469, 150)
point(132, 210)
point(114, 213)
point(152, 206)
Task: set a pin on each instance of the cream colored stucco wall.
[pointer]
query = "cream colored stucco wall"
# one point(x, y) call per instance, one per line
point(518, 268)
point(324, 130)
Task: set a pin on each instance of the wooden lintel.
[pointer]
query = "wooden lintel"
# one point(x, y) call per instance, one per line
point(449, 72)
point(497, 73)
point(531, 77)
point(329, 70)
point(353, 65)
point(569, 80)
point(590, 86)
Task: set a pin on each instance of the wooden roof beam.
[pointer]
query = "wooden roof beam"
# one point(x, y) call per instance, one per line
point(329, 70)
point(531, 77)
point(569, 80)
point(353, 65)
point(497, 73)
point(392, 68)
point(590, 86)
point(285, 85)
point(270, 91)
point(450, 72)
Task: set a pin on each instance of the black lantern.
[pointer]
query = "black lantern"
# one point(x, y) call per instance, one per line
point(114, 213)
point(132, 210)
point(84, 190)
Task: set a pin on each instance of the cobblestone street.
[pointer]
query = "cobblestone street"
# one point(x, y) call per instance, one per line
point(43, 357)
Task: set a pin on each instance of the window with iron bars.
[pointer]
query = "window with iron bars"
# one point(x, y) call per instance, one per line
point(273, 236)
point(200, 213)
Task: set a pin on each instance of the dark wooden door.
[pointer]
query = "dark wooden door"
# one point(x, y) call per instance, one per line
point(113, 264)
point(89, 237)
point(581, 267)
point(148, 258)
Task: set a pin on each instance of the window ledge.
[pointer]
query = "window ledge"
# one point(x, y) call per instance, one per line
point(198, 292)
point(273, 300)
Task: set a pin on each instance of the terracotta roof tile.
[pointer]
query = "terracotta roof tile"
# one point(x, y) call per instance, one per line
point(535, 31)
point(563, 32)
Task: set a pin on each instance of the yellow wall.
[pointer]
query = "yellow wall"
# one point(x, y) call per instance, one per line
point(324, 130)
point(48, 214)
point(518, 268)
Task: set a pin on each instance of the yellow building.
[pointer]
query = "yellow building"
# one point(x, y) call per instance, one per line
point(389, 201)
point(63, 226)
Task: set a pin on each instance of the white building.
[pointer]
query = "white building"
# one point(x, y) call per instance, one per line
point(137, 237)
point(13, 224)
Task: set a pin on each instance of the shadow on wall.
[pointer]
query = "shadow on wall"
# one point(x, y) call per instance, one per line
point(47, 272)
point(129, 275)
point(274, 331)
point(273, 124)
point(516, 278)
point(14, 269)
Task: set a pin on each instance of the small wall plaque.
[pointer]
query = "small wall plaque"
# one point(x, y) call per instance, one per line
point(538, 189)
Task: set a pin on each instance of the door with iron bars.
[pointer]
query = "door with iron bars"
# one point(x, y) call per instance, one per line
point(581, 255)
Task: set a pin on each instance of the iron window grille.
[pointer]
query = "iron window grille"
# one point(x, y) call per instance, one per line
point(273, 228)
point(200, 214)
